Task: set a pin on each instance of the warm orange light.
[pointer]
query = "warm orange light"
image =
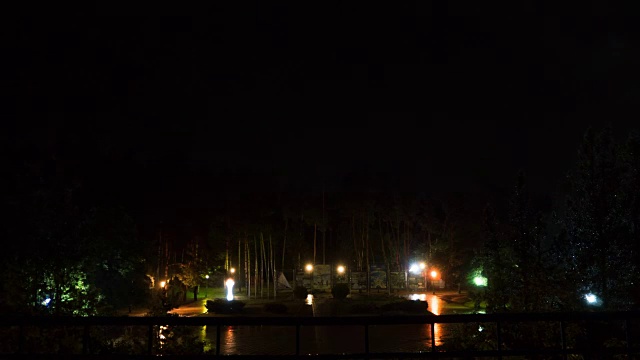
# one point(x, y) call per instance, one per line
point(309, 267)
point(232, 270)
point(434, 274)
point(340, 269)
point(162, 284)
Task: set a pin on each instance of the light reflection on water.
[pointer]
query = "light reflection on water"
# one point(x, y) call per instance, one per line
point(436, 307)
point(280, 340)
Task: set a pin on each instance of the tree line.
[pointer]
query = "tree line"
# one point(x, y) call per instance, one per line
point(67, 255)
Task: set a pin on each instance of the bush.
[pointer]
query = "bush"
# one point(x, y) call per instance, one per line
point(222, 306)
point(340, 291)
point(367, 308)
point(300, 292)
point(276, 308)
point(409, 306)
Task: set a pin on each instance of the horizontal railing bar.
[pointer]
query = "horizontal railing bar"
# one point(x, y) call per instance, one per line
point(373, 355)
point(311, 321)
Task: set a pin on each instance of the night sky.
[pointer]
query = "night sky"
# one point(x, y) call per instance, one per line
point(163, 115)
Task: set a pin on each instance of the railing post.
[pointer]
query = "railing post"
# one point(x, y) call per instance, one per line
point(298, 339)
point(366, 340)
point(218, 340)
point(499, 339)
point(150, 341)
point(433, 337)
point(563, 340)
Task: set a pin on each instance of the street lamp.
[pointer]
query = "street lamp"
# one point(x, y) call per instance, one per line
point(232, 270)
point(340, 269)
point(309, 269)
point(206, 291)
point(434, 275)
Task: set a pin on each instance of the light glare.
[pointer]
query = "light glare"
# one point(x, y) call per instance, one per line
point(414, 269)
point(229, 283)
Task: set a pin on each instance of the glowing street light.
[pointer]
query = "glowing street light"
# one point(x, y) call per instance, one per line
point(206, 290)
point(414, 268)
point(422, 266)
point(480, 280)
point(340, 269)
point(232, 270)
point(309, 269)
point(162, 284)
point(434, 274)
point(229, 284)
point(592, 299)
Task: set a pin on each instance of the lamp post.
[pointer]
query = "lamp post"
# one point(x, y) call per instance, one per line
point(309, 269)
point(206, 291)
point(434, 275)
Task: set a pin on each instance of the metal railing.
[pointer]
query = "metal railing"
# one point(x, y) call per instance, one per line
point(627, 320)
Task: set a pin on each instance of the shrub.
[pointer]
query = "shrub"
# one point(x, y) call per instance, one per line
point(410, 306)
point(276, 308)
point(300, 292)
point(367, 308)
point(222, 306)
point(340, 291)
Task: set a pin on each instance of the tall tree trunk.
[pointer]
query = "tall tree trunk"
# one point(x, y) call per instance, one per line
point(284, 241)
point(368, 251)
point(315, 231)
point(247, 265)
point(255, 281)
point(324, 230)
point(273, 267)
point(355, 243)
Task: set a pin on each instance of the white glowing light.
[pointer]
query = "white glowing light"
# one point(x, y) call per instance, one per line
point(480, 328)
point(232, 270)
point(229, 283)
point(420, 297)
point(309, 300)
point(340, 269)
point(309, 267)
point(414, 269)
point(480, 281)
point(422, 266)
point(46, 301)
point(591, 299)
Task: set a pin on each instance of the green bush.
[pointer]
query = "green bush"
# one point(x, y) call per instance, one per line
point(222, 306)
point(276, 308)
point(409, 306)
point(340, 291)
point(300, 292)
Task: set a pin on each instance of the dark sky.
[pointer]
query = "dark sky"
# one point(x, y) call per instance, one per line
point(162, 112)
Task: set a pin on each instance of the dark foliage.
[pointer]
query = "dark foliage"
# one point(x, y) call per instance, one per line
point(340, 291)
point(300, 292)
point(368, 308)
